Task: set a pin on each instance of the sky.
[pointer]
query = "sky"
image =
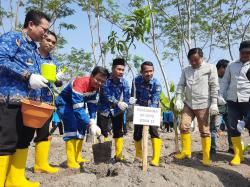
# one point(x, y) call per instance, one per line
point(80, 38)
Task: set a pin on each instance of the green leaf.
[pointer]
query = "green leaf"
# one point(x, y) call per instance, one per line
point(172, 88)
point(164, 101)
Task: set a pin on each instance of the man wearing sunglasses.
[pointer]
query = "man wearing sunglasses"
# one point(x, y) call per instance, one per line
point(20, 73)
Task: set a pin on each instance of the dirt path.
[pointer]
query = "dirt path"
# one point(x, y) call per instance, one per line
point(170, 173)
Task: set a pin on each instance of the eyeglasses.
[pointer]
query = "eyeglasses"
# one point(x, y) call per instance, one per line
point(44, 29)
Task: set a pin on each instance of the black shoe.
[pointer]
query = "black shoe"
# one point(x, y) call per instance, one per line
point(212, 151)
point(231, 151)
point(213, 154)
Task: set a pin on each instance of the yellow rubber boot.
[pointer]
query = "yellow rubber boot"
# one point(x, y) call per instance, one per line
point(4, 164)
point(237, 151)
point(186, 147)
point(79, 157)
point(156, 144)
point(118, 149)
point(16, 177)
point(138, 150)
point(42, 158)
point(206, 145)
point(71, 154)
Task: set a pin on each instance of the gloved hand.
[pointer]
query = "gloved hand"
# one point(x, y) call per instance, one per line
point(241, 125)
point(132, 100)
point(213, 109)
point(94, 129)
point(37, 81)
point(59, 76)
point(179, 105)
point(221, 100)
point(122, 105)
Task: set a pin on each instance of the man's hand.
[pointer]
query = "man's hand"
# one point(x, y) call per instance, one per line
point(37, 81)
point(132, 100)
point(241, 125)
point(221, 101)
point(179, 105)
point(214, 109)
point(59, 76)
point(122, 105)
point(94, 129)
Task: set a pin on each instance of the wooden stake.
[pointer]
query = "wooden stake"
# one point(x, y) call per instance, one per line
point(177, 150)
point(145, 148)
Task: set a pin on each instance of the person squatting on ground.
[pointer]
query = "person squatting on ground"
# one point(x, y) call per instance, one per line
point(20, 73)
point(42, 139)
point(235, 89)
point(70, 107)
point(199, 84)
point(216, 120)
point(148, 91)
point(113, 101)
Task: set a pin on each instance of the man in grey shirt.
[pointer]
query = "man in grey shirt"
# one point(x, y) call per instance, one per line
point(235, 89)
point(199, 84)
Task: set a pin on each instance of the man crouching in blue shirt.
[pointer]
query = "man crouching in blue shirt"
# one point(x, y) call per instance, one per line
point(113, 101)
point(148, 91)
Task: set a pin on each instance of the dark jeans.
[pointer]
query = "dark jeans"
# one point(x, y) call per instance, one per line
point(236, 111)
point(13, 134)
point(215, 123)
point(153, 131)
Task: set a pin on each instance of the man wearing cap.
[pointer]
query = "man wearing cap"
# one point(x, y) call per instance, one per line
point(235, 89)
point(113, 101)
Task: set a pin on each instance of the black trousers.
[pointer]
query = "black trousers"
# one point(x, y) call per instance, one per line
point(153, 131)
point(117, 124)
point(236, 111)
point(42, 134)
point(13, 134)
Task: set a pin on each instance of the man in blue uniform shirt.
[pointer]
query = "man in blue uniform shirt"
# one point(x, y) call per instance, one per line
point(43, 140)
point(70, 107)
point(113, 101)
point(19, 72)
point(148, 91)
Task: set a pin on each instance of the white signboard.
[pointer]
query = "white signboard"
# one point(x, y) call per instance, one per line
point(147, 116)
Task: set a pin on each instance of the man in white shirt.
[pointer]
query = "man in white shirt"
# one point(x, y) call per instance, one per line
point(235, 89)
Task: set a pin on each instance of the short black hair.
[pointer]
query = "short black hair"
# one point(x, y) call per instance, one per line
point(52, 33)
point(101, 70)
point(118, 61)
point(195, 51)
point(245, 45)
point(35, 16)
point(222, 63)
point(146, 63)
